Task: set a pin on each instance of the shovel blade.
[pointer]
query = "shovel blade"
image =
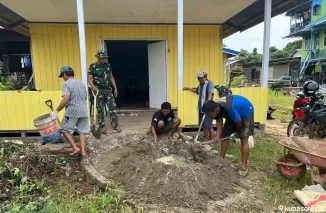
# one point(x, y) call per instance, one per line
point(96, 132)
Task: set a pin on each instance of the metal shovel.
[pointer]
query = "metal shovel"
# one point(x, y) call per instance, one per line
point(193, 145)
point(95, 129)
point(49, 104)
point(200, 126)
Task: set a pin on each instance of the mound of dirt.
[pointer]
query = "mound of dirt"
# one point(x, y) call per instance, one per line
point(165, 173)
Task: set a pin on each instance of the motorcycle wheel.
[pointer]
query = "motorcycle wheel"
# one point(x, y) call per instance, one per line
point(316, 129)
point(300, 128)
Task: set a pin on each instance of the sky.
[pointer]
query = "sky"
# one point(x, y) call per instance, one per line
point(253, 37)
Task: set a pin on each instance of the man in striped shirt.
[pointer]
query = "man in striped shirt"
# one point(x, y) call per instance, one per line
point(74, 96)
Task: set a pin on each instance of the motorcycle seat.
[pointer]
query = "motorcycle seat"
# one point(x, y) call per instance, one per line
point(305, 109)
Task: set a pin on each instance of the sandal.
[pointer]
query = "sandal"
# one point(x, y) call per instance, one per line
point(243, 172)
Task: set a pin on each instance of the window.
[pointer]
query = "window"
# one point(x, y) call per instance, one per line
point(316, 43)
point(317, 10)
point(286, 78)
point(307, 43)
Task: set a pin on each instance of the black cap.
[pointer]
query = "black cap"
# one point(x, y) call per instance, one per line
point(65, 69)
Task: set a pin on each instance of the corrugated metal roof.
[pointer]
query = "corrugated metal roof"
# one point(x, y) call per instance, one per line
point(254, 14)
point(12, 21)
point(301, 7)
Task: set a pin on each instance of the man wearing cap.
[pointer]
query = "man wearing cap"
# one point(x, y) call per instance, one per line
point(205, 90)
point(74, 96)
point(101, 80)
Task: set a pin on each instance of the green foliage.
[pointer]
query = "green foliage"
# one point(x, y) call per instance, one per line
point(246, 57)
point(237, 80)
point(33, 181)
point(5, 84)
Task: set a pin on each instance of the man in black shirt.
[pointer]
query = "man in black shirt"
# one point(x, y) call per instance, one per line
point(164, 121)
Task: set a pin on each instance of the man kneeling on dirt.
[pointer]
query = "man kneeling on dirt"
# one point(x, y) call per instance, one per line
point(164, 121)
point(239, 114)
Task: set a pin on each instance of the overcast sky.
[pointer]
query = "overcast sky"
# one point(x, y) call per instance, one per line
point(253, 37)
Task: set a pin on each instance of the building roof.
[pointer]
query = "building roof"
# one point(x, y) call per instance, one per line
point(308, 28)
point(276, 61)
point(254, 14)
point(12, 21)
point(127, 11)
point(239, 21)
point(299, 8)
point(230, 51)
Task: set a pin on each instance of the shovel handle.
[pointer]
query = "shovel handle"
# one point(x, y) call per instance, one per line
point(49, 104)
point(95, 107)
point(212, 141)
point(200, 126)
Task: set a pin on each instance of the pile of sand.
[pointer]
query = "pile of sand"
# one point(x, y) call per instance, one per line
point(166, 174)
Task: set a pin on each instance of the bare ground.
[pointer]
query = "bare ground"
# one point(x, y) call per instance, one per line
point(165, 178)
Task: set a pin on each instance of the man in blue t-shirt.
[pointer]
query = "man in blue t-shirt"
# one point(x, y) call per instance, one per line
point(238, 113)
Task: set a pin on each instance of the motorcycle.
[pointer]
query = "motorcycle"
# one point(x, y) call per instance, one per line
point(300, 101)
point(310, 117)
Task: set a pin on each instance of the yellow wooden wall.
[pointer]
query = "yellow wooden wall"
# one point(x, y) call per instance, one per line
point(18, 110)
point(57, 45)
point(54, 45)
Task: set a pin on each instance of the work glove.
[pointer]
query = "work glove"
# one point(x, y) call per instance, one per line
point(54, 115)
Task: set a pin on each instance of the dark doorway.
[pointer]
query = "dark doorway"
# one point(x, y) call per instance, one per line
point(129, 61)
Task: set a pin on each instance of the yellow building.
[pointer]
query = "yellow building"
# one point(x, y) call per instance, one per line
point(55, 42)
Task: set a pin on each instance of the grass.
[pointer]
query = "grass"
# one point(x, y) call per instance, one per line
point(287, 116)
point(275, 189)
point(33, 181)
point(69, 198)
point(284, 101)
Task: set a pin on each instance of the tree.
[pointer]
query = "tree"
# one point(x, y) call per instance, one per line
point(275, 53)
point(246, 57)
point(291, 47)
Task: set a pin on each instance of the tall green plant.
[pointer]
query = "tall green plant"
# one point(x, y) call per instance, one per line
point(237, 80)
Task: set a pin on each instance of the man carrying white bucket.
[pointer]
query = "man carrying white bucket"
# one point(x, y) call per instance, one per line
point(74, 96)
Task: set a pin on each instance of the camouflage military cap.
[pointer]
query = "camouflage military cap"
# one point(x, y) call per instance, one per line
point(223, 90)
point(101, 54)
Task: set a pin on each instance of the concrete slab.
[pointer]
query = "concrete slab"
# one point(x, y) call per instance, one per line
point(133, 120)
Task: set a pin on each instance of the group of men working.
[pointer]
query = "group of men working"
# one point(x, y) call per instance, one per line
point(74, 96)
point(237, 110)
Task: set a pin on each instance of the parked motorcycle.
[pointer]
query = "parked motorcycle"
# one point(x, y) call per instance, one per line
point(309, 117)
point(300, 101)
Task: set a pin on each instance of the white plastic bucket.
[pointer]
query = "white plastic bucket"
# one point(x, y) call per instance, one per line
point(47, 128)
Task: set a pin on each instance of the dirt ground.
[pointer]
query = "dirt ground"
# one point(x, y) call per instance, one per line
point(165, 178)
point(276, 128)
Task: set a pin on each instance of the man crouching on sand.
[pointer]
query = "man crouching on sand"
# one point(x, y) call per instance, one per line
point(164, 121)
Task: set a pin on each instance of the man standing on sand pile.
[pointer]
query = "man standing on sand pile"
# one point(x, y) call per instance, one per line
point(101, 80)
point(74, 96)
point(205, 90)
point(239, 114)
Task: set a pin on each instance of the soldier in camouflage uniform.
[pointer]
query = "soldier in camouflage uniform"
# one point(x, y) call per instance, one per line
point(101, 80)
point(222, 91)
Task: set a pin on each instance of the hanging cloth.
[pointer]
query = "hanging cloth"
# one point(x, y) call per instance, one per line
point(22, 62)
point(27, 61)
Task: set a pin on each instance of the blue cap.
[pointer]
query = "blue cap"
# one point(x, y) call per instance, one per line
point(64, 70)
